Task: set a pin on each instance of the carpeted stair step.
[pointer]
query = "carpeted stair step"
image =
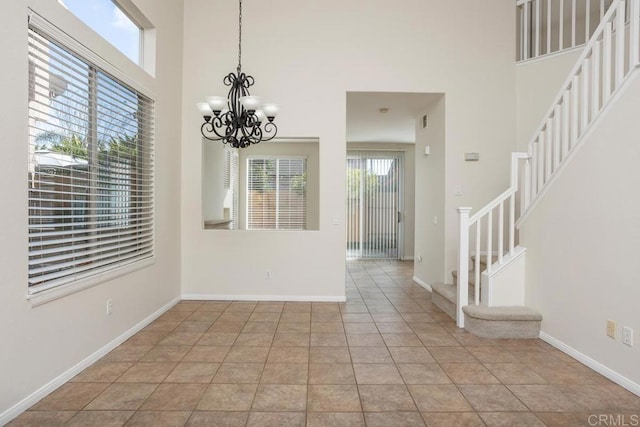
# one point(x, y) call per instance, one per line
point(483, 261)
point(472, 278)
point(502, 322)
point(445, 296)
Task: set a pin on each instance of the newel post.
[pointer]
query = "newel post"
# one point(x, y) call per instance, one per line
point(463, 266)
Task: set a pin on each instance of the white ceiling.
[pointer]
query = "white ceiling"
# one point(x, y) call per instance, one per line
point(365, 122)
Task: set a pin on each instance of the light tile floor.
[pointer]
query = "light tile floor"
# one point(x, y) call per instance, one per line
point(386, 357)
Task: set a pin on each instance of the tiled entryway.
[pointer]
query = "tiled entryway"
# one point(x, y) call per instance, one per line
point(387, 357)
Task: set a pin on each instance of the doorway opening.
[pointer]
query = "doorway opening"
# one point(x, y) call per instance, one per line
point(374, 200)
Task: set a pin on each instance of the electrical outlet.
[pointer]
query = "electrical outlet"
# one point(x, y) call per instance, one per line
point(267, 275)
point(611, 329)
point(109, 307)
point(627, 336)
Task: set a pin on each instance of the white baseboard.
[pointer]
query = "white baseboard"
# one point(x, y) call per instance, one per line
point(407, 258)
point(593, 364)
point(209, 297)
point(423, 284)
point(52, 385)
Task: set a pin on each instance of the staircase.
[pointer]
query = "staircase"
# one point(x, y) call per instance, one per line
point(487, 295)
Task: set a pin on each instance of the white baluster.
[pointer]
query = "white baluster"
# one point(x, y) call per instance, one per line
point(606, 63)
point(575, 92)
point(565, 128)
point(537, 51)
point(512, 223)
point(619, 53)
point(595, 79)
point(573, 23)
point(586, 84)
point(526, 31)
point(634, 32)
point(476, 267)
point(548, 26)
point(501, 231)
point(551, 134)
point(557, 139)
point(541, 159)
point(561, 26)
point(489, 239)
point(533, 150)
point(528, 184)
point(587, 20)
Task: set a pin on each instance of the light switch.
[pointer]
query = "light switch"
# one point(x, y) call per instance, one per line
point(457, 190)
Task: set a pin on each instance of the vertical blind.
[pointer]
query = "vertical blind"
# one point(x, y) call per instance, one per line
point(90, 179)
point(374, 186)
point(230, 181)
point(276, 193)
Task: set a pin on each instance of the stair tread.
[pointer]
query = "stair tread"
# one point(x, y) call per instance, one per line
point(449, 291)
point(472, 276)
point(483, 259)
point(502, 313)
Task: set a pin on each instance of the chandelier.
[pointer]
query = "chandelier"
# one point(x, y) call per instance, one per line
point(239, 119)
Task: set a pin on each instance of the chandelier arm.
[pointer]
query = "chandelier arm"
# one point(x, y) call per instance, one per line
point(209, 128)
point(270, 131)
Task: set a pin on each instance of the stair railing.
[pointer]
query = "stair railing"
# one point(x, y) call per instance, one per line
point(549, 26)
point(484, 243)
point(608, 59)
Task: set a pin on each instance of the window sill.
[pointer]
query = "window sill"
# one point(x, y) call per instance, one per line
point(43, 297)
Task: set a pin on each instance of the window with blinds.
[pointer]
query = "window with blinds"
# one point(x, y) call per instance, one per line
point(276, 193)
point(90, 176)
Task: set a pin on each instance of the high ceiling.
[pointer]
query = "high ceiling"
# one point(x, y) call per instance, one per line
point(365, 122)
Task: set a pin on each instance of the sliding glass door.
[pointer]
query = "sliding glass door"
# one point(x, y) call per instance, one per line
point(374, 188)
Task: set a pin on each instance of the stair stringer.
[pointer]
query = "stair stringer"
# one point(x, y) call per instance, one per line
point(504, 285)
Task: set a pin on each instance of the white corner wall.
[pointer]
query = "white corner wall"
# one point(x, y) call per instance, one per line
point(430, 172)
point(41, 343)
point(306, 56)
point(582, 243)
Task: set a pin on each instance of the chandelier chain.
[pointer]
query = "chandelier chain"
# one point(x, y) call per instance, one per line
point(240, 37)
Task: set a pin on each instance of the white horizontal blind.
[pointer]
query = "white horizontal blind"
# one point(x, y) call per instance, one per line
point(90, 176)
point(276, 193)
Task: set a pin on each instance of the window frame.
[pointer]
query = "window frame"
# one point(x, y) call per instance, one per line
point(117, 5)
point(41, 295)
point(277, 158)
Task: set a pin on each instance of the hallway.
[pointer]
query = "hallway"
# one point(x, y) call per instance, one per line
point(386, 357)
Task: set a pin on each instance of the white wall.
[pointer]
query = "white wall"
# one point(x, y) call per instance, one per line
point(40, 343)
point(582, 244)
point(430, 195)
point(306, 56)
point(538, 83)
point(409, 188)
